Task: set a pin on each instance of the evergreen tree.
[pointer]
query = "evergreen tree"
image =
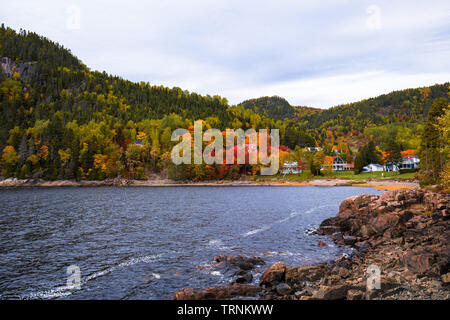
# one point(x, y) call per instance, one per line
point(431, 144)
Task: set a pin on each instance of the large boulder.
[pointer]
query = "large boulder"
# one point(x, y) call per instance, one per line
point(338, 292)
point(300, 274)
point(382, 222)
point(274, 275)
point(283, 289)
point(240, 262)
point(429, 260)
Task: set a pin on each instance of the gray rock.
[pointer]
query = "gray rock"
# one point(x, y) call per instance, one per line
point(283, 289)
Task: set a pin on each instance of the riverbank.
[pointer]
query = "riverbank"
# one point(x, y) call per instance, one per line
point(402, 236)
point(373, 183)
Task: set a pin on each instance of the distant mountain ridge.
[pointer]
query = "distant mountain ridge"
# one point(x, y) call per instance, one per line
point(408, 105)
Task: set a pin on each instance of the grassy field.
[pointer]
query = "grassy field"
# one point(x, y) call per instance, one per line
point(339, 175)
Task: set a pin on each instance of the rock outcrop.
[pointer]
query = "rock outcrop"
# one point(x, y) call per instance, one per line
point(26, 70)
point(274, 275)
point(405, 234)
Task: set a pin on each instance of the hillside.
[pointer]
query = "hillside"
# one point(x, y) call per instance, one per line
point(409, 105)
point(379, 117)
point(272, 107)
point(277, 108)
point(60, 120)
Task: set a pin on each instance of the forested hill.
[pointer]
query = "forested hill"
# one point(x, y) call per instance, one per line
point(60, 120)
point(409, 105)
point(404, 106)
point(277, 108)
point(399, 114)
point(55, 80)
point(272, 107)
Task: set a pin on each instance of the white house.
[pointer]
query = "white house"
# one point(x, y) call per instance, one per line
point(410, 162)
point(290, 168)
point(373, 167)
point(340, 164)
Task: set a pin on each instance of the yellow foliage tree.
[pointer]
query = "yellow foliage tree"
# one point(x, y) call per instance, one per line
point(43, 152)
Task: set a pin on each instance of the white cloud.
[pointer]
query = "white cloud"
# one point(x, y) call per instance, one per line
point(307, 51)
point(329, 91)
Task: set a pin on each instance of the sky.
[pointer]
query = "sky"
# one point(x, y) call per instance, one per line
point(317, 53)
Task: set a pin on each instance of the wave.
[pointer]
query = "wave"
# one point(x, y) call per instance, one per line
point(65, 291)
point(289, 217)
point(217, 244)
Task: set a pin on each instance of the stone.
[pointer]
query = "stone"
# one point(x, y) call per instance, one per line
point(349, 240)
point(283, 289)
point(301, 274)
point(446, 278)
point(355, 294)
point(337, 236)
point(362, 245)
point(343, 272)
point(273, 275)
point(245, 278)
point(327, 230)
point(216, 293)
point(240, 262)
point(337, 292)
point(380, 223)
point(321, 243)
point(420, 261)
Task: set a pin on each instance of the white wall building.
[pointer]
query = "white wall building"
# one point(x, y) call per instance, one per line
point(290, 168)
point(373, 167)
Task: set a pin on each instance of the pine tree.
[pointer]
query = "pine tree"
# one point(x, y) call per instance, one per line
point(431, 162)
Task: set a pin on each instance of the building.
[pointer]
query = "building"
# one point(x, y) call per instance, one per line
point(339, 164)
point(410, 162)
point(388, 167)
point(290, 168)
point(373, 167)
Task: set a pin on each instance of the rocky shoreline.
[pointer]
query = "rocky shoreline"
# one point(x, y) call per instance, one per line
point(118, 182)
point(404, 234)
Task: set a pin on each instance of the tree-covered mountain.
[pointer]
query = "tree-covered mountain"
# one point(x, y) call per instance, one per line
point(272, 107)
point(410, 105)
point(278, 108)
point(61, 120)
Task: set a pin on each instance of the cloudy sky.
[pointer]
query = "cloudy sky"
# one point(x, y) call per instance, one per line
point(318, 53)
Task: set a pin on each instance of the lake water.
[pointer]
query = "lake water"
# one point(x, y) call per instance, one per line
point(145, 242)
